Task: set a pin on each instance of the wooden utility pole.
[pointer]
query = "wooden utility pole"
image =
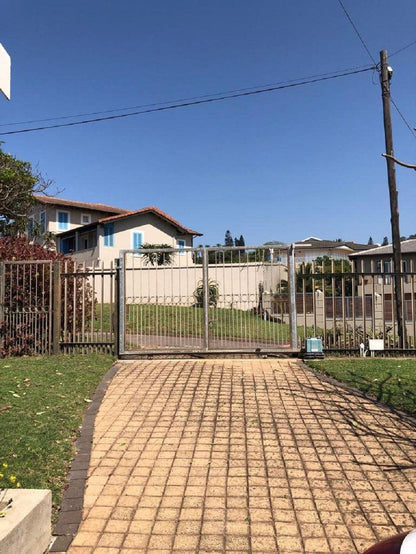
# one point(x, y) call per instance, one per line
point(386, 73)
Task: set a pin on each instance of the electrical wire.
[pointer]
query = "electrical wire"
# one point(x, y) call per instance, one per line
point(403, 118)
point(177, 100)
point(357, 32)
point(188, 103)
point(401, 49)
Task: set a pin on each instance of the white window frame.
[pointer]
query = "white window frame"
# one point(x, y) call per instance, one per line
point(88, 216)
point(57, 220)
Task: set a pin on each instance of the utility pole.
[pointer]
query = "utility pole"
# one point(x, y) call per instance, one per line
point(386, 73)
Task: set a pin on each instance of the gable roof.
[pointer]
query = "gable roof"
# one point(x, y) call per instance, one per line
point(313, 242)
point(54, 201)
point(406, 247)
point(155, 211)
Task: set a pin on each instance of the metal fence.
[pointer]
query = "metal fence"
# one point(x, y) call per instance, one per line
point(202, 300)
point(346, 306)
point(50, 307)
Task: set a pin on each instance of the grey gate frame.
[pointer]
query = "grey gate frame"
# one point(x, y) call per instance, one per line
point(206, 300)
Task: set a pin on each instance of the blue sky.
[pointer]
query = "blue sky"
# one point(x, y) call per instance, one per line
point(277, 166)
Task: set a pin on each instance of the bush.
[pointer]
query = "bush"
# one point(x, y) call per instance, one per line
point(213, 293)
point(26, 300)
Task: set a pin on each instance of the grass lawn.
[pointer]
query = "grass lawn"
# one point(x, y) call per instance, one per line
point(389, 380)
point(42, 403)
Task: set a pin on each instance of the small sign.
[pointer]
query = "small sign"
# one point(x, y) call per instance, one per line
point(5, 72)
point(376, 344)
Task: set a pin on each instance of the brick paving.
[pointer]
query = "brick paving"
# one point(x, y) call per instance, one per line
point(243, 456)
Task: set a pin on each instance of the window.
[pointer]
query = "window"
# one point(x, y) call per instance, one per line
point(109, 234)
point(63, 221)
point(137, 240)
point(181, 246)
point(67, 245)
point(387, 269)
point(85, 219)
point(31, 227)
point(42, 222)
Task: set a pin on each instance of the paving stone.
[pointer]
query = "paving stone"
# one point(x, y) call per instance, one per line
point(254, 455)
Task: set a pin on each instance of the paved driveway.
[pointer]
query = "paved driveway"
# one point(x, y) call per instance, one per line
point(243, 456)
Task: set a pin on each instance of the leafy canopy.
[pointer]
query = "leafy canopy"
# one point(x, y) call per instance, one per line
point(18, 184)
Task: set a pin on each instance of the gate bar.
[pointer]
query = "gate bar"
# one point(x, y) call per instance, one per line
point(292, 292)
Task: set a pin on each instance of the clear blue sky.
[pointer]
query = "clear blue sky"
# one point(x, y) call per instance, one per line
point(278, 166)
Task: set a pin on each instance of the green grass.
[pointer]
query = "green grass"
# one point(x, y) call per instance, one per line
point(150, 319)
point(389, 380)
point(42, 403)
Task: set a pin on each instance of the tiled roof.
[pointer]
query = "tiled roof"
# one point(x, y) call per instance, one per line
point(52, 200)
point(156, 211)
point(313, 242)
point(406, 247)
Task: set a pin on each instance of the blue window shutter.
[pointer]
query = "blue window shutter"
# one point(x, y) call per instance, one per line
point(109, 234)
point(137, 240)
point(63, 221)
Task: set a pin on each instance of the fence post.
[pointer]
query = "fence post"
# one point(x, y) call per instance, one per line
point(292, 296)
point(56, 306)
point(116, 317)
point(205, 279)
point(121, 320)
point(2, 287)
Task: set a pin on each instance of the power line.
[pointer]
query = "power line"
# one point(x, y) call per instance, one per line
point(189, 103)
point(357, 32)
point(403, 118)
point(404, 48)
point(177, 100)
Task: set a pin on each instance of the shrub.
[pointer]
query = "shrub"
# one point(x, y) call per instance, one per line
point(213, 293)
point(27, 296)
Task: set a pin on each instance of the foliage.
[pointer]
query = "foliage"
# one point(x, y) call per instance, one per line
point(27, 292)
point(18, 184)
point(153, 257)
point(332, 284)
point(370, 241)
point(213, 293)
point(42, 402)
point(228, 239)
point(389, 380)
point(385, 241)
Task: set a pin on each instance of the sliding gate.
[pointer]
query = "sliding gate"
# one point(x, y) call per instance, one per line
point(198, 300)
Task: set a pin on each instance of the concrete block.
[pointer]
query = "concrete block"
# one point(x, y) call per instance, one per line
point(26, 529)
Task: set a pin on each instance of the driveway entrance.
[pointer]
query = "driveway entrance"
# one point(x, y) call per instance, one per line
point(243, 456)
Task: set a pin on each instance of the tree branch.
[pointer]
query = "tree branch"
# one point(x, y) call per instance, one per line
point(410, 166)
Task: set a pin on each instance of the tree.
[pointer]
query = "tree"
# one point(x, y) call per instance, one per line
point(152, 256)
point(370, 241)
point(330, 282)
point(18, 184)
point(385, 242)
point(228, 239)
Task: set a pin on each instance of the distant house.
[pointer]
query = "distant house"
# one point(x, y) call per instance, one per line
point(380, 260)
point(55, 215)
point(309, 249)
point(103, 239)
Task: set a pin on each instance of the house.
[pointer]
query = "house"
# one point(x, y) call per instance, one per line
point(103, 239)
point(309, 249)
point(54, 215)
point(376, 267)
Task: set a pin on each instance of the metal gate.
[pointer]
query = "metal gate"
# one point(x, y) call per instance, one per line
point(196, 300)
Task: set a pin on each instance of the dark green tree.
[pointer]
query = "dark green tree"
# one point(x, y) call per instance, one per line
point(18, 184)
point(228, 239)
point(329, 275)
point(385, 241)
point(370, 241)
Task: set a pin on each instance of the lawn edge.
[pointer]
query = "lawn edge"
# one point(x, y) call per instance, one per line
point(333, 381)
point(70, 514)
